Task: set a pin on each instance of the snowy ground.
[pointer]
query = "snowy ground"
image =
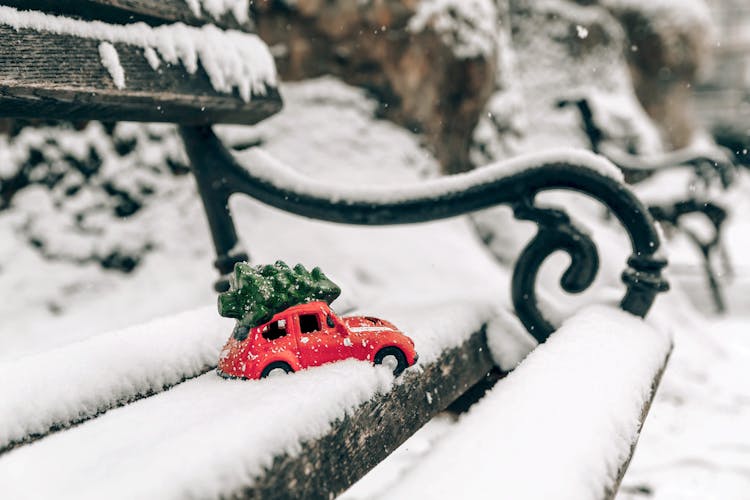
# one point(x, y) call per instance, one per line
point(694, 444)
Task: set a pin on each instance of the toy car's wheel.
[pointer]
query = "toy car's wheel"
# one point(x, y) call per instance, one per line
point(393, 358)
point(275, 369)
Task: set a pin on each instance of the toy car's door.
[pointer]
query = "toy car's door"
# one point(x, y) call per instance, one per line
point(318, 342)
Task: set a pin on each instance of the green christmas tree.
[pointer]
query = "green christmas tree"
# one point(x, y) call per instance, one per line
point(256, 293)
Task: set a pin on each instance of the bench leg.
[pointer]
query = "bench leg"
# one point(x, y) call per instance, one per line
point(215, 194)
point(706, 251)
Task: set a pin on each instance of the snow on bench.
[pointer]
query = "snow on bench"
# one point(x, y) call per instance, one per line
point(594, 377)
point(210, 437)
point(562, 425)
point(64, 386)
point(61, 67)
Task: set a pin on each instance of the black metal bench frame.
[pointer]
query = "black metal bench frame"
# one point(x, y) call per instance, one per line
point(219, 176)
point(672, 213)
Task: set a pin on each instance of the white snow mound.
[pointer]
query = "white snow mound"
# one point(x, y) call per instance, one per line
point(560, 425)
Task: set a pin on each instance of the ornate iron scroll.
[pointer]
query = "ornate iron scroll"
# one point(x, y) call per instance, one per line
point(219, 176)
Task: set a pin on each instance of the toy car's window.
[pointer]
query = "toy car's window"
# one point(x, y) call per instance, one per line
point(329, 321)
point(309, 323)
point(275, 330)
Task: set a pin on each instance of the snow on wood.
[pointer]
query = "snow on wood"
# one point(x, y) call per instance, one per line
point(152, 57)
point(111, 61)
point(209, 436)
point(62, 386)
point(199, 439)
point(562, 425)
point(232, 59)
point(263, 166)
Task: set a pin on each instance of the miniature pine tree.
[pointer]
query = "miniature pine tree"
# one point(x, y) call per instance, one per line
point(257, 293)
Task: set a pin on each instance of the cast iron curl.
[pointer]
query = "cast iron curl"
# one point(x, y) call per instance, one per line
point(556, 232)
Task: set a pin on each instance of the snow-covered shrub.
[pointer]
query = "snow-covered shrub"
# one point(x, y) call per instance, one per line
point(78, 191)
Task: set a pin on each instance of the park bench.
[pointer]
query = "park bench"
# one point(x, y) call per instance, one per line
point(86, 60)
point(707, 163)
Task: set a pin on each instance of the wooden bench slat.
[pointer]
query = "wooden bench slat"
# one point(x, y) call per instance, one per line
point(61, 76)
point(236, 418)
point(327, 466)
point(164, 351)
point(153, 12)
point(563, 424)
point(306, 459)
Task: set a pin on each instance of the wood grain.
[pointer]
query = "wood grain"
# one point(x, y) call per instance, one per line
point(153, 12)
point(61, 76)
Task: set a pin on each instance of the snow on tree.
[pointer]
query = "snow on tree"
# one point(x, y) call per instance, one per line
point(258, 292)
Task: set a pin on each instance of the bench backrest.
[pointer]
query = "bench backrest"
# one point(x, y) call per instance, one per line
point(56, 66)
point(153, 12)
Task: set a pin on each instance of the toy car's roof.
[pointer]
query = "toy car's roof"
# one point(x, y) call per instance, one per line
point(302, 308)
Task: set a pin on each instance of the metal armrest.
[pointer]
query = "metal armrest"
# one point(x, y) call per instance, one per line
point(515, 182)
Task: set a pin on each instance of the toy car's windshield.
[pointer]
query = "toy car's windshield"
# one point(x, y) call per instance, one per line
point(309, 323)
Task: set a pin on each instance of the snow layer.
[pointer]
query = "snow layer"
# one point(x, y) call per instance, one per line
point(111, 61)
point(571, 411)
point(198, 440)
point(669, 159)
point(80, 380)
point(232, 59)
point(224, 432)
point(263, 166)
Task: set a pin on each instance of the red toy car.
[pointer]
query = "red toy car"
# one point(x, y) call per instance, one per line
point(310, 335)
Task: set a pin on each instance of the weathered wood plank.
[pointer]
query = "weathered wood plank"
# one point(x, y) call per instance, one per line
point(153, 12)
point(61, 76)
point(570, 413)
point(383, 421)
point(327, 466)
